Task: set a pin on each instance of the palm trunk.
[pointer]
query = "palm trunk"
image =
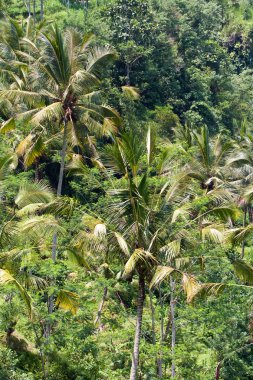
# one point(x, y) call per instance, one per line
point(138, 328)
point(244, 225)
point(41, 9)
point(34, 10)
point(54, 244)
point(127, 74)
point(173, 327)
point(100, 309)
point(158, 358)
point(60, 181)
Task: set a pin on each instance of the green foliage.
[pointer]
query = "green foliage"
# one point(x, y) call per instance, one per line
point(145, 109)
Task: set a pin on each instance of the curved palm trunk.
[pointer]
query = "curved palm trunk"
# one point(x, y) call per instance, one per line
point(138, 328)
point(60, 181)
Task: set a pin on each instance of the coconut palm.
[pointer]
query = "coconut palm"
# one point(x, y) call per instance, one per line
point(63, 95)
point(208, 165)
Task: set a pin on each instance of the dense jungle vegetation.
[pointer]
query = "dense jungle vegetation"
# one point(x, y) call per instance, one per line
point(126, 189)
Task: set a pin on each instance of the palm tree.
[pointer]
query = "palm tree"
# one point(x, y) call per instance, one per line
point(208, 165)
point(63, 88)
point(140, 212)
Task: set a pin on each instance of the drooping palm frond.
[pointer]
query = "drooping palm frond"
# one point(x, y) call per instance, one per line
point(20, 96)
point(6, 278)
point(98, 59)
point(77, 166)
point(212, 232)
point(131, 92)
point(205, 290)
point(42, 226)
point(223, 212)
point(34, 193)
point(7, 163)
point(190, 285)
point(248, 193)
point(30, 148)
point(67, 300)
point(238, 235)
point(78, 257)
point(138, 257)
point(29, 280)
point(180, 212)
point(35, 151)
point(243, 271)
point(8, 125)
point(172, 249)
point(122, 244)
point(48, 113)
point(161, 274)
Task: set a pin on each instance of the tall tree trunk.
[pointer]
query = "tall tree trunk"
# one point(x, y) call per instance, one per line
point(158, 358)
point(34, 10)
point(29, 8)
point(127, 73)
point(54, 244)
point(138, 328)
point(99, 313)
point(244, 225)
point(217, 371)
point(173, 327)
point(41, 9)
point(60, 181)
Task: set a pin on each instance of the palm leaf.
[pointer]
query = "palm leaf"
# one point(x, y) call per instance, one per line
point(6, 278)
point(42, 226)
point(34, 193)
point(67, 300)
point(122, 244)
point(141, 257)
point(131, 92)
point(243, 271)
point(161, 274)
point(190, 285)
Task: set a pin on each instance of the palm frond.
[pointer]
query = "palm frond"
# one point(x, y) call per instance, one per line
point(213, 233)
point(20, 96)
point(190, 285)
point(98, 59)
point(67, 300)
point(48, 113)
point(6, 278)
point(243, 271)
point(138, 257)
point(161, 274)
point(172, 249)
point(33, 193)
point(8, 125)
point(205, 290)
point(131, 92)
point(238, 235)
point(122, 244)
point(41, 226)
